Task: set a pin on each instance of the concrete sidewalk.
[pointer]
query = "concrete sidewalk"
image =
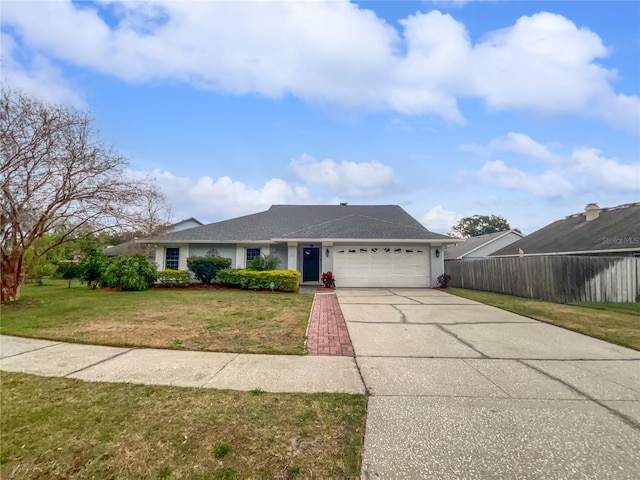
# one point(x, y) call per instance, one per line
point(271, 373)
point(463, 390)
point(458, 389)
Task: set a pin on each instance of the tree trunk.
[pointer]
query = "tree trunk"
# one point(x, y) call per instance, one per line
point(12, 279)
point(10, 289)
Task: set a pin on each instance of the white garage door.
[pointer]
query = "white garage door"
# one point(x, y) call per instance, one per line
point(386, 266)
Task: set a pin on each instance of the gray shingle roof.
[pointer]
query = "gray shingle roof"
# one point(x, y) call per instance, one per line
point(310, 221)
point(616, 228)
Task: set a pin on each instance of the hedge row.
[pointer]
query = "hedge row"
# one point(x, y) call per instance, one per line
point(284, 280)
point(174, 278)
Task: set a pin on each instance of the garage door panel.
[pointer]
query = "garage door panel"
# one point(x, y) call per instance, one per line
point(388, 266)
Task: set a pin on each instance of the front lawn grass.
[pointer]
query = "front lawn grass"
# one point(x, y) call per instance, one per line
point(54, 428)
point(613, 322)
point(209, 320)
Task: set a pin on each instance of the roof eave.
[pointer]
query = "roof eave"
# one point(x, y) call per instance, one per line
point(575, 252)
point(367, 240)
point(173, 242)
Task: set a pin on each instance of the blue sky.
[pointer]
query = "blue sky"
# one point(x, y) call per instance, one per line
point(528, 110)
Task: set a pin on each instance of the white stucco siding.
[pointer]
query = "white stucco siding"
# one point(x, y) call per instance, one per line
point(292, 256)
point(436, 254)
point(280, 251)
point(326, 257)
point(204, 249)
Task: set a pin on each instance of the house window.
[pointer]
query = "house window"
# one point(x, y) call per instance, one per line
point(171, 259)
point(252, 253)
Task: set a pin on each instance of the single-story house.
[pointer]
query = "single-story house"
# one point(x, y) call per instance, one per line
point(363, 245)
point(134, 246)
point(596, 231)
point(482, 246)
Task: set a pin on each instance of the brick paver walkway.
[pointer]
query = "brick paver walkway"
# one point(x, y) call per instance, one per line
point(328, 333)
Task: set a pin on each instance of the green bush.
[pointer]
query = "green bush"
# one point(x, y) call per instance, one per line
point(206, 269)
point(174, 278)
point(263, 262)
point(130, 273)
point(284, 280)
point(93, 268)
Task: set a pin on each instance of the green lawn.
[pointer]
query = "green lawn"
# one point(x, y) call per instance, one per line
point(210, 320)
point(617, 323)
point(55, 428)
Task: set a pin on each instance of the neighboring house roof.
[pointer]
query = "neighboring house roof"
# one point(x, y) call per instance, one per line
point(467, 247)
point(289, 222)
point(139, 245)
point(615, 229)
point(130, 247)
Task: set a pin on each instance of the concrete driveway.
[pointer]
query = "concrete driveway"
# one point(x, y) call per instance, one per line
point(463, 390)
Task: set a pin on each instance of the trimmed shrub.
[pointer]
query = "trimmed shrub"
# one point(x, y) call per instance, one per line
point(206, 269)
point(130, 273)
point(263, 262)
point(174, 278)
point(284, 280)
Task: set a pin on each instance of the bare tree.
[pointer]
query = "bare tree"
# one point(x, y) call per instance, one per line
point(152, 214)
point(56, 173)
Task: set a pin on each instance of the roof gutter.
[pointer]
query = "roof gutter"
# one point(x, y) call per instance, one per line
point(438, 241)
point(216, 242)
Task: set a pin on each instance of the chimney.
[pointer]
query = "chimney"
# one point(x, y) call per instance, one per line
point(592, 211)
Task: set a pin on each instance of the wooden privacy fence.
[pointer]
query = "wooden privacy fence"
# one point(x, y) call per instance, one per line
point(559, 279)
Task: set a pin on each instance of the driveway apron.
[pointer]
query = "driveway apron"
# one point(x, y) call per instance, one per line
point(461, 390)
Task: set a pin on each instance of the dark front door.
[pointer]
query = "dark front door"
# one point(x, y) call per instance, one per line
point(310, 264)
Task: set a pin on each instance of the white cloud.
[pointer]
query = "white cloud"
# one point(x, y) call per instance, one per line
point(549, 184)
point(348, 179)
point(335, 52)
point(599, 172)
point(440, 220)
point(544, 62)
point(211, 199)
point(39, 78)
point(524, 145)
point(587, 168)
point(455, 3)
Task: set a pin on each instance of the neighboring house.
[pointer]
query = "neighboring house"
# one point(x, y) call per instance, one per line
point(481, 246)
point(596, 231)
point(136, 246)
point(185, 224)
point(363, 245)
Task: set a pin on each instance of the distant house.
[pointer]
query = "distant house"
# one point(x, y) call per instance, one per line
point(482, 246)
point(596, 231)
point(134, 246)
point(363, 245)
